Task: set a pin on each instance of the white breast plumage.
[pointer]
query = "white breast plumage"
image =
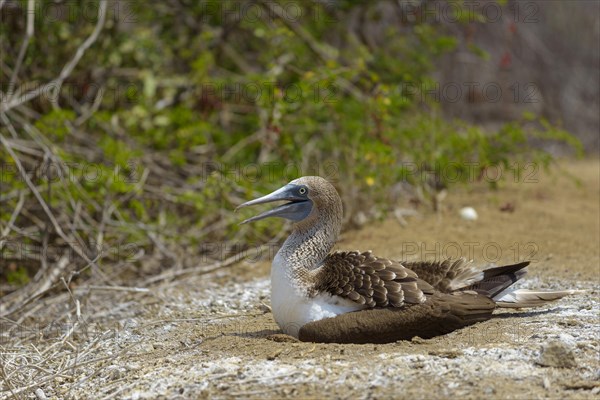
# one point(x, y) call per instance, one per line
point(292, 306)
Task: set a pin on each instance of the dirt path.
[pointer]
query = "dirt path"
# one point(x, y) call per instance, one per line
point(209, 335)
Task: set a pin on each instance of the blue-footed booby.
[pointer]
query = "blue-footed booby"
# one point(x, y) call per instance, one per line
point(324, 296)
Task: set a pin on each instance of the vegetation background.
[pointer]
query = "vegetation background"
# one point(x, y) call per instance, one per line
point(130, 130)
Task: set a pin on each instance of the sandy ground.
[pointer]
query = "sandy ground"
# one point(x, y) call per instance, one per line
point(212, 335)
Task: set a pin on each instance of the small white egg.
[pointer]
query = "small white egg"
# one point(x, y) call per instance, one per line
point(468, 213)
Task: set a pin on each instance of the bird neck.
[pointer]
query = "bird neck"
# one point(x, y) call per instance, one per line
point(309, 243)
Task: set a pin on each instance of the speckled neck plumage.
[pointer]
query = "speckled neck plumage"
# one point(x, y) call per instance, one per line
point(306, 249)
point(313, 238)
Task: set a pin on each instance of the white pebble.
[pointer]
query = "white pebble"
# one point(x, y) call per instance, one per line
point(468, 213)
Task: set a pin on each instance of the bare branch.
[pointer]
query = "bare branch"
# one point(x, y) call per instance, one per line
point(56, 84)
point(12, 220)
point(82, 49)
point(38, 196)
point(17, 300)
point(320, 50)
point(86, 114)
point(200, 270)
point(324, 52)
point(24, 46)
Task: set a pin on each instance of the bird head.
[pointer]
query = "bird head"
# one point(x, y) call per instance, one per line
point(307, 198)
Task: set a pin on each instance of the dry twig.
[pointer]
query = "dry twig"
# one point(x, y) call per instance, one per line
point(56, 84)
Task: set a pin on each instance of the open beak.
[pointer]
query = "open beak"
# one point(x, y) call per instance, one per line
point(297, 209)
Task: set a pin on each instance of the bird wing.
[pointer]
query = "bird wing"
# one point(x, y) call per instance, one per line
point(447, 275)
point(370, 280)
point(452, 275)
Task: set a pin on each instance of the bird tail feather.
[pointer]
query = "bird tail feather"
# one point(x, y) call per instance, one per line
point(496, 284)
point(517, 298)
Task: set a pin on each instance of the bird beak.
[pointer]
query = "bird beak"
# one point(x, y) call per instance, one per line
point(297, 209)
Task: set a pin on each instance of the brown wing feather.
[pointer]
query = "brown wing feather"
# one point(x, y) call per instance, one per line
point(369, 280)
point(449, 276)
point(446, 276)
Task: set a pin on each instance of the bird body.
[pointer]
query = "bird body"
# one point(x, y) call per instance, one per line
point(354, 296)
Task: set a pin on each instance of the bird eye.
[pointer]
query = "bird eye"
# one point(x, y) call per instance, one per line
point(302, 190)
